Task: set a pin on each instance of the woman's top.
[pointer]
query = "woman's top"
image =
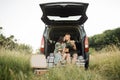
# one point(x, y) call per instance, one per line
point(59, 47)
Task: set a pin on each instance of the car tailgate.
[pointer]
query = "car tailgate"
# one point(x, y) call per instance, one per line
point(64, 9)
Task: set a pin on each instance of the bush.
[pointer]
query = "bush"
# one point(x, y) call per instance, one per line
point(11, 43)
point(108, 37)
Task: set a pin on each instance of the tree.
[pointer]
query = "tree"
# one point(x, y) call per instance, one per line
point(108, 37)
point(11, 43)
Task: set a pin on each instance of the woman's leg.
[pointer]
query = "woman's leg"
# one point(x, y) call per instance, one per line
point(63, 56)
point(57, 58)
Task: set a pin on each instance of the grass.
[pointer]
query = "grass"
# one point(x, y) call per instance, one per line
point(104, 65)
point(70, 72)
point(13, 65)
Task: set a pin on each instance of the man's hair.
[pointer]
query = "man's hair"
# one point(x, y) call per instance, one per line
point(67, 34)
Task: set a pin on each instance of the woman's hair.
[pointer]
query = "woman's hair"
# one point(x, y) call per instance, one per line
point(61, 39)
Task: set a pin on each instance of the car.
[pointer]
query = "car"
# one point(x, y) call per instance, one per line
point(65, 17)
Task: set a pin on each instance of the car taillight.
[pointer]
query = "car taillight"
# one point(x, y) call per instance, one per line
point(86, 43)
point(42, 45)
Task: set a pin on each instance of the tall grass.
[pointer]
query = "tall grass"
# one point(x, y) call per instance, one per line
point(70, 72)
point(104, 65)
point(13, 65)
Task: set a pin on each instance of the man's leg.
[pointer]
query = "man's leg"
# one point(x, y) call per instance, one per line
point(74, 59)
point(68, 58)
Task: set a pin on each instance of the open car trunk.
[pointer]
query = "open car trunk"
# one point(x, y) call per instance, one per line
point(64, 9)
point(56, 32)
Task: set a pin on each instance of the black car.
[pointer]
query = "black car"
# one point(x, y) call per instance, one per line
point(61, 18)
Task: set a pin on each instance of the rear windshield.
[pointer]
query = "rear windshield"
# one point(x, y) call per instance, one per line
point(58, 18)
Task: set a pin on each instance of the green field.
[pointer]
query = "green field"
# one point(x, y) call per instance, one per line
point(104, 65)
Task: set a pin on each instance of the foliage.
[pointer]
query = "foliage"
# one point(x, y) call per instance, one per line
point(108, 37)
point(11, 43)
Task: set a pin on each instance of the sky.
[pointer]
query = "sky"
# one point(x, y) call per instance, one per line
point(22, 18)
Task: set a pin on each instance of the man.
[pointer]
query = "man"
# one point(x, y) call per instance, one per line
point(70, 45)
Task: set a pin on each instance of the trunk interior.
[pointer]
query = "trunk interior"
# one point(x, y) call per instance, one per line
point(56, 32)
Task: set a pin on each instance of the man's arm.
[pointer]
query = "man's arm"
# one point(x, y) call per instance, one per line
point(73, 43)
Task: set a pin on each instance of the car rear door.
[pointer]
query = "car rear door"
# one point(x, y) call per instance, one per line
point(62, 10)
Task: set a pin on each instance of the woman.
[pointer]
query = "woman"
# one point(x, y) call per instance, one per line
point(59, 50)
